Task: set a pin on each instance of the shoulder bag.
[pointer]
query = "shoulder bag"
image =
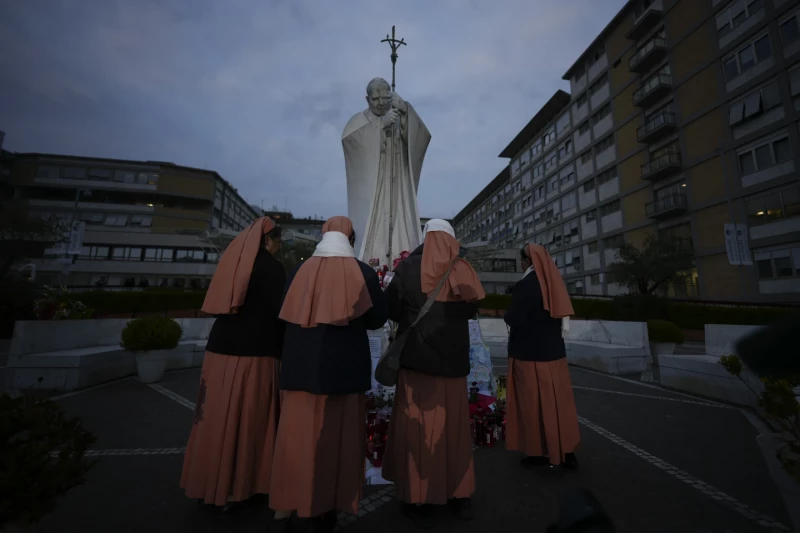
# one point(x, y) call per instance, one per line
point(388, 368)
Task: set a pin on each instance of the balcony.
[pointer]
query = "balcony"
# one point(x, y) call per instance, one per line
point(666, 207)
point(661, 166)
point(652, 90)
point(651, 53)
point(656, 127)
point(644, 21)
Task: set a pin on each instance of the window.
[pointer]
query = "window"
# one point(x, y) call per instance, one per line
point(116, 220)
point(773, 206)
point(189, 256)
point(584, 128)
point(607, 176)
point(765, 155)
point(567, 179)
point(550, 135)
point(524, 158)
point(591, 215)
point(124, 176)
point(582, 100)
point(588, 186)
point(92, 218)
point(605, 144)
point(94, 252)
point(568, 201)
point(147, 178)
point(47, 172)
point(609, 208)
point(598, 84)
point(593, 247)
point(538, 192)
point(755, 103)
point(602, 113)
point(594, 279)
point(565, 149)
point(774, 264)
point(536, 149)
point(539, 216)
point(586, 157)
point(142, 221)
point(790, 32)
point(526, 180)
point(682, 234)
point(99, 173)
point(572, 229)
point(552, 185)
point(747, 57)
point(563, 122)
point(75, 173)
point(126, 253)
point(550, 160)
point(737, 13)
point(538, 170)
point(614, 242)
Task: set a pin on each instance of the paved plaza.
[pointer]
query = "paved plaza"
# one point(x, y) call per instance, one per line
point(658, 462)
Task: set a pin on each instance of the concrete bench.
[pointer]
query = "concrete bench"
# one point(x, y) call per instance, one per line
point(74, 354)
point(611, 347)
point(704, 376)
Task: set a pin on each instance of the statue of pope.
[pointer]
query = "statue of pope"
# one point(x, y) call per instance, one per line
point(374, 148)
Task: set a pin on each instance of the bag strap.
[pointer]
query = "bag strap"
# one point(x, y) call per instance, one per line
point(429, 302)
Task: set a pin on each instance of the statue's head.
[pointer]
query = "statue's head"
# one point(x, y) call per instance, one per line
point(379, 96)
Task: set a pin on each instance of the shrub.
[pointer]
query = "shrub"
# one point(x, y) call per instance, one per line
point(155, 300)
point(639, 307)
point(151, 333)
point(59, 304)
point(41, 457)
point(664, 331)
point(782, 410)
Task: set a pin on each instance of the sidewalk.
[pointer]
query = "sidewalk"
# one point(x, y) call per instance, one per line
point(658, 462)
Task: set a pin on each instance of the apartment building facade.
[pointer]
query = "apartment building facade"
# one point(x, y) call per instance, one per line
point(683, 119)
point(147, 223)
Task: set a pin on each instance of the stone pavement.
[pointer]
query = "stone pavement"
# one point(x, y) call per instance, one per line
point(658, 461)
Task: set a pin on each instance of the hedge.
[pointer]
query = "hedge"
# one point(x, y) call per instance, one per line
point(685, 315)
point(145, 301)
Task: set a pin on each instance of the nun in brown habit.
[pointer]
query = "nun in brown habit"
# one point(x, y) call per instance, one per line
point(229, 455)
point(429, 448)
point(319, 463)
point(541, 420)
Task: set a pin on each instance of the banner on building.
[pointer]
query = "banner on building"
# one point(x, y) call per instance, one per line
point(742, 245)
point(731, 246)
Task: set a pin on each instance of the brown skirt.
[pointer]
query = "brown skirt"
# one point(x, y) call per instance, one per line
point(319, 461)
point(429, 449)
point(541, 419)
point(229, 454)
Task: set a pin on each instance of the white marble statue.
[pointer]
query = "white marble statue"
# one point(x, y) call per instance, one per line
point(368, 152)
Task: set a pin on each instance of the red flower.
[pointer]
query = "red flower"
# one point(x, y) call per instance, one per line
point(403, 255)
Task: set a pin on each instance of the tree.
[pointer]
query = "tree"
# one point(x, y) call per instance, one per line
point(22, 237)
point(655, 265)
point(295, 252)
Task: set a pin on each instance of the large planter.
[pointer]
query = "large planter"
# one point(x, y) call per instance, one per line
point(150, 366)
point(787, 485)
point(657, 349)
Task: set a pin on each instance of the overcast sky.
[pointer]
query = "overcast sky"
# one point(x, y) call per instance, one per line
point(260, 90)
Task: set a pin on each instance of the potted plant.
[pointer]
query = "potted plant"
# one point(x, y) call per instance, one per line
point(42, 457)
point(152, 339)
point(779, 404)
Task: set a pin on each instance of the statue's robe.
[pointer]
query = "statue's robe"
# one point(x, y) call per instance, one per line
point(367, 160)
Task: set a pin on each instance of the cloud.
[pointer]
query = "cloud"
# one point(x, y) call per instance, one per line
point(260, 90)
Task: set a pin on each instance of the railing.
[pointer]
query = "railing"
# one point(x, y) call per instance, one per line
point(666, 203)
point(667, 160)
point(651, 45)
point(650, 85)
point(665, 118)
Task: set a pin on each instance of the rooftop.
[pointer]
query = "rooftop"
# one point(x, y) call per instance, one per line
point(600, 37)
point(548, 112)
